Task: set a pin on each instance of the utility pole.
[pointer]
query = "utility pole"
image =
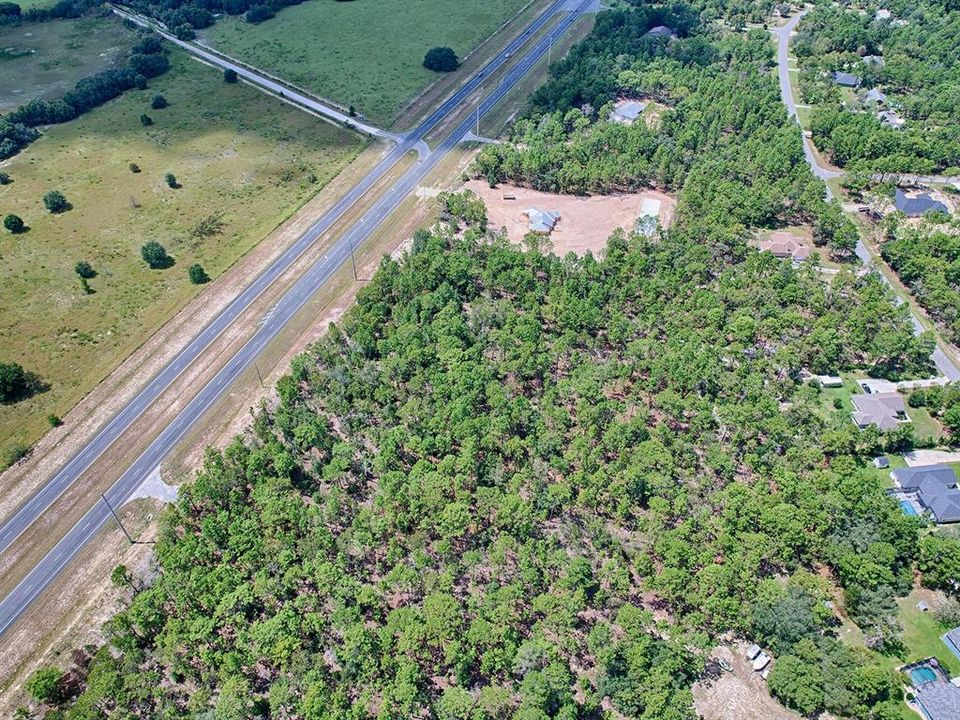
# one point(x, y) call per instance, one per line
point(115, 517)
point(259, 376)
point(550, 50)
point(353, 263)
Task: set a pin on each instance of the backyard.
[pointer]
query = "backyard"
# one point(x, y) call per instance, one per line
point(368, 55)
point(243, 162)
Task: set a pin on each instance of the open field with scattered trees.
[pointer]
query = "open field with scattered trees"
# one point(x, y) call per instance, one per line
point(79, 294)
point(44, 60)
point(366, 54)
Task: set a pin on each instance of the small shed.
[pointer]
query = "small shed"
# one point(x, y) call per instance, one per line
point(626, 112)
point(875, 95)
point(891, 119)
point(874, 60)
point(753, 651)
point(881, 462)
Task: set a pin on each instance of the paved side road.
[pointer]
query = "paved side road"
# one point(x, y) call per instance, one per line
point(944, 364)
point(258, 78)
point(40, 577)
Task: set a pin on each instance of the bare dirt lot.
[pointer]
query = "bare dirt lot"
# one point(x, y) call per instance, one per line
point(741, 694)
point(585, 222)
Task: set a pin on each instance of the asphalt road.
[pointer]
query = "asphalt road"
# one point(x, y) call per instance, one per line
point(40, 577)
point(944, 364)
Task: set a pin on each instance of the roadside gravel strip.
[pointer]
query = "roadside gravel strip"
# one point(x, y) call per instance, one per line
point(47, 569)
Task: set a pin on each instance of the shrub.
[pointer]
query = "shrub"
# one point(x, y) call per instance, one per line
point(146, 120)
point(198, 276)
point(5, 178)
point(54, 420)
point(158, 102)
point(55, 202)
point(84, 269)
point(171, 180)
point(134, 168)
point(155, 255)
point(258, 14)
point(45, 685)
point(441, 59)
point(230, 75)
point(15, 382)
point(13, 454)
point(14, 223)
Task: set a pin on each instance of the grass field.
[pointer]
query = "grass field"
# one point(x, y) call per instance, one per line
point(366, 54)
point(245, 162)
point(46, 59)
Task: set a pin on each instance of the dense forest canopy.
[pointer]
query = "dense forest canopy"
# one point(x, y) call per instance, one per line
point(512, 485)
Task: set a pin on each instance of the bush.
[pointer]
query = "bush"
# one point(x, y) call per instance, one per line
point(5, 178)
point(158, 102)
point(155, 255)
point(146, 120)
point(55, 202)
point(198, 276)
point(134, 168)
point(13, 454)
point(171, 180)
point(16, 383)
point(230, 75)
point(441, 59)
point(45, 685)
point(54, 420)
point(14, 223)
point(84, 269)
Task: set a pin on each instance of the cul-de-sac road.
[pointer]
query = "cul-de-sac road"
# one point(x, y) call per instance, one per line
point(44, 572)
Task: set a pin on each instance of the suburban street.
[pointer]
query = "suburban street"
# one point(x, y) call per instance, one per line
point(944, 364)
point(57, 559)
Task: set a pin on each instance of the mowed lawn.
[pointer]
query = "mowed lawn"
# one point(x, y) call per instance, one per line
point(244, 160)
point(46, 59)
point(367, 53)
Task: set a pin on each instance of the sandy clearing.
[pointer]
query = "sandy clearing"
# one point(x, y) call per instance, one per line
point(741, 694)
point(585, 222)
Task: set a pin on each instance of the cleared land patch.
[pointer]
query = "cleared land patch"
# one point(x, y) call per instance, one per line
point(585, 222)
point(45, 60)
point(366, 54)
point(244, 161)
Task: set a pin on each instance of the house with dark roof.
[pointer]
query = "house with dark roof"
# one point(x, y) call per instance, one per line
point(876, 96)
point(844, 79)
point(661, 31)
point(934, 487)
point(917, 206)
point(885, 410)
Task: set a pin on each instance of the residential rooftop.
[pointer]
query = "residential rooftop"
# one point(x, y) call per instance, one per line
point(885, 410)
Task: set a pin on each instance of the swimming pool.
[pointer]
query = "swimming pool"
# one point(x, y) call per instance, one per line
point(922, 674)
point(908, 508)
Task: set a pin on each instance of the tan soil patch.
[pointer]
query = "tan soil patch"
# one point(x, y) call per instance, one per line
point(741, 694)
point(585, 222)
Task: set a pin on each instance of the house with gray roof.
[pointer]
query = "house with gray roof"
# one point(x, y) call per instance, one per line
point(885, 410)
point(541, 222)
point(934, 487)
point(938, 699)
point(891, 119)
point(918, 205)
point(661, 31)
point(845, 79)
point(875, 95)
point(626, 112)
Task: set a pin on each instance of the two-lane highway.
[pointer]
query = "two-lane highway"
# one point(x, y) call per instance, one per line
point(64, 551)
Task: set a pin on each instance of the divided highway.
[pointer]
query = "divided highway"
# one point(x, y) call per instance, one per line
point(40, 577)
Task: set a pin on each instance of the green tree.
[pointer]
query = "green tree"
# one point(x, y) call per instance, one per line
point(797, 684)
point(171, 180)
point(15, 382)
point(45, 685)
point(146, 120)
point(441, 59)
point(230, 75)
point(14, 223)
point(155, 255)
point(158, 102)
point(84, 270)
point(198, 276)
point(56, 202)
